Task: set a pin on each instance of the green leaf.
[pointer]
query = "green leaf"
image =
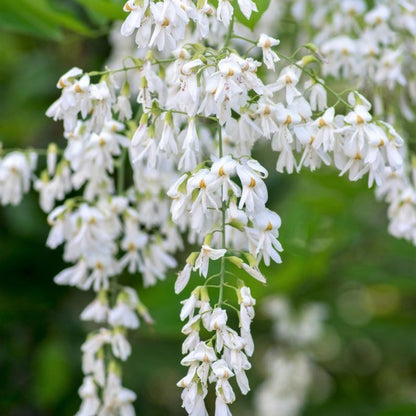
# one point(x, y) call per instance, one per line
point(15, 16)
point(105, 8)
point(38, 18)
point(52, 375)
point(262, 6)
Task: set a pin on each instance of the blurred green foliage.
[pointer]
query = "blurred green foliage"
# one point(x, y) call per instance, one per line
point(337, 251)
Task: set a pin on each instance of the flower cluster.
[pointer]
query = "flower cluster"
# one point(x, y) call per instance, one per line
point(219, 203)
point(164, 24)
point(221, 357)
point(289, 367)
point(102, 240)
point(372, 45)
point(399, 191)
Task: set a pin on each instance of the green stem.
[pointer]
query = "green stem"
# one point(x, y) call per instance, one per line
point(230, 33)
point(231, 306)
point(128, 68)
point(245, 39)
point(223, 222)
point(303, 69)
point(316, 79)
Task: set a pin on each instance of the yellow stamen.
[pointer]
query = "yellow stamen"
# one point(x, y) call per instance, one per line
point(360, 120)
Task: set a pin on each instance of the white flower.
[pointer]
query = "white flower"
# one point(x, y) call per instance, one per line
point(123, 315)
point(123, 108)
point(170, 20)
point(90, 401)
point(15, 174)
point(135, 16)
point(97, 310)
point(201, 354)
point(119, 345)
point(263, 237)
point(221, 408)
point(73, 276)
point(116, 397)
point(221, 373)
point(218, 320)
point(288, 79)
point(191, 329)
point(189, 306)
point(225, 12)
point(206, 200)
point(317, 95)
point(269, 56)
point(183, 278)
point(325, 135)
point(167, 141)
point(223, 169)
point(57, 220)
point(207, 253)
point(247, 7)
point(254, 193)
point(254, 271)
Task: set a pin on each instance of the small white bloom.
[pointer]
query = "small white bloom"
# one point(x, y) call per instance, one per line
point(207, 253)
point(269, 56)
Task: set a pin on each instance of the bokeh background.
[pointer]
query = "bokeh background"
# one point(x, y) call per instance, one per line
point(337, 251)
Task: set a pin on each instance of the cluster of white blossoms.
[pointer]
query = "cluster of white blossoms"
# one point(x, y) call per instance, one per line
point(399, 191)
point(289, 366)
point(373, 45)
point(118, 224)
point(226, 203)
point(372, 48)
point(103, 239)
point(220, 357)
point(160, 151)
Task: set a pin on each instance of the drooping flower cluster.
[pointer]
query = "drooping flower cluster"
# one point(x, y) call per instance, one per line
point(399, 191)
point(102, 240)
point(218, 359)
point(289, 367)
point(374, 45)
point(216, 201)
point(163, 24)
